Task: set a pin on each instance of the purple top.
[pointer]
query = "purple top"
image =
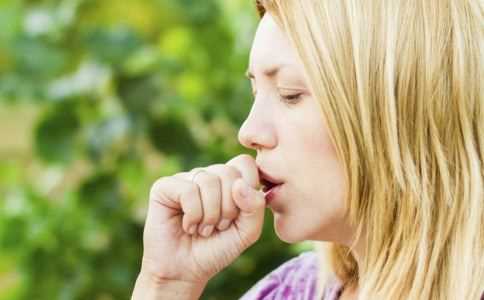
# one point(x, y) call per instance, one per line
point(294, 279)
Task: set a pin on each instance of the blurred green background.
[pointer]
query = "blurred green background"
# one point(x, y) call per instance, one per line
point(99, 98)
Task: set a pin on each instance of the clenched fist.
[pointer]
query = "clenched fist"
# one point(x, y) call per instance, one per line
point(199, 222)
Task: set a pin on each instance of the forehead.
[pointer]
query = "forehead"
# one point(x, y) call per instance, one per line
point(270, 46)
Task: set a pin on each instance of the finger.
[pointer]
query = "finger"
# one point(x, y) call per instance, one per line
point(246, 165)
point(211, 194)
point(188, 176)
point(169, 195)
point(229, 211)
point(252, 207)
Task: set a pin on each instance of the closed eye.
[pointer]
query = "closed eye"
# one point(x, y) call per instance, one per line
point(293, 98)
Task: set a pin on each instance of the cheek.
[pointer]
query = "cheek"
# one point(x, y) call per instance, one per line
point(312, 160)
point(324, 183)
point(317, 198)
point(313, 134)
point(318, 152)
point(321, 143)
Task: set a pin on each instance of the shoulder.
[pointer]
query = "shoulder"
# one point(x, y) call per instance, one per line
point(332, 289)
point(294, 279)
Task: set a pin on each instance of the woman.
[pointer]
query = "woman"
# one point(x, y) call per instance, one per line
point(368, 124)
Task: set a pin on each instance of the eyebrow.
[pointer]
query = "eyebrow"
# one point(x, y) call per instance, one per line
point(270, 72)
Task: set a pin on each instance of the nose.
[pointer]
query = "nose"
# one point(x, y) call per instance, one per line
point(257, 131)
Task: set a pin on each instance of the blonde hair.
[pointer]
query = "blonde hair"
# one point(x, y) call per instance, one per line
point(400, 86)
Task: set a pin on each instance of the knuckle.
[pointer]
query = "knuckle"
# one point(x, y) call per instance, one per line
point(209, 179)
point(157, 185)
point(218, 169)
point(181, 175)
point(195, 169)
point(240, 157)
point(234, 172)
point(224, 171)
point(245, 157)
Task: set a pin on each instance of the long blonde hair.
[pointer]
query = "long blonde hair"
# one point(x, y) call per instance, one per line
point(400, 86)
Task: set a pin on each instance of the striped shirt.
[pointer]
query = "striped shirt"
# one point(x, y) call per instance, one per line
point(295, 279)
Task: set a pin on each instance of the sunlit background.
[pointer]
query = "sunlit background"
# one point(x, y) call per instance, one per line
point(98, 98)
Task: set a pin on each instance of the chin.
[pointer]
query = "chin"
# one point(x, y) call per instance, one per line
point(289, 234)
point(288, 239)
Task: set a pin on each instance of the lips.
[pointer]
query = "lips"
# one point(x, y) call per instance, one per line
point(268, 182)
point(268, 185)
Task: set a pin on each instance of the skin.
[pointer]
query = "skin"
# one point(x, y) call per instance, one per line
point(293, 144)
point(186, 240)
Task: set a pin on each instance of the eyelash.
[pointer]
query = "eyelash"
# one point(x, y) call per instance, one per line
point(291, 99)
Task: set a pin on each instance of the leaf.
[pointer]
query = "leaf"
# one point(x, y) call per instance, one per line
point(56, 134)
point(112, 46)
point(102, 194)
point(171, 135)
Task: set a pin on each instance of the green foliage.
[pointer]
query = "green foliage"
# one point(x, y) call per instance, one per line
point(124, 92)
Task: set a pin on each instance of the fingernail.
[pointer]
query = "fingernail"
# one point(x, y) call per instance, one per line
point(224, 224)
point(192, 229)
point(207, 230)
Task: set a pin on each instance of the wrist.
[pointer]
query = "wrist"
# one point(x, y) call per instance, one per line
point(151, 287)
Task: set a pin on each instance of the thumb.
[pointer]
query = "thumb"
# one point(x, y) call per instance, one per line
point(252, 208)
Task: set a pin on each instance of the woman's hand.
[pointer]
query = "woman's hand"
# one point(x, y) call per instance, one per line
point(195, 229)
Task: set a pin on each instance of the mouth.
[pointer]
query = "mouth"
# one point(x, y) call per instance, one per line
point(268, 185)
point(267, 182)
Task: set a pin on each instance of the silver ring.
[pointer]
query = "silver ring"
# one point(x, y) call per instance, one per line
point(196, 173)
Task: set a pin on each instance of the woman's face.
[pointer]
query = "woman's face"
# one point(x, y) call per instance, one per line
point(292, 143)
